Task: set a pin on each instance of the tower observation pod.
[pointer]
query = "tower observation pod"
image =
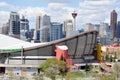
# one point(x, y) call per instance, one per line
point(74, 15)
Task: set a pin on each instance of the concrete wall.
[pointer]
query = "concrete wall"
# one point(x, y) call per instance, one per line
point(18, 70)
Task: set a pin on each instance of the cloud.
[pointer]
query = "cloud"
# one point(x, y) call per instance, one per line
point(59, 1)
point(31, 13)
point(4, 4)
point(59, 11)
point(95, 11)
point(97, 3)
point(4, 15)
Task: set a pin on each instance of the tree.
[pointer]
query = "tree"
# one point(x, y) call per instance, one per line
point(107, 57)
point(63, 68)
point(116, 70)
point(70, 76)
point(50, 68)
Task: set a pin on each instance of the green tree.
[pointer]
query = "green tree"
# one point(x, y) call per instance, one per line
point(63, 68)
point(50, 68)
point(116, 70)
point(70, 76)
point(107, 57)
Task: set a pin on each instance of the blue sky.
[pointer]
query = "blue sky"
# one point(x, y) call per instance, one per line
point(43, 3)
point(89, 11)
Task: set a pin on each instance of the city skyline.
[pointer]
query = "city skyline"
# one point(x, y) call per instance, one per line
point(89, 11)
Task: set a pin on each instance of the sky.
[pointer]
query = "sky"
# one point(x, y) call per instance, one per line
point(88, 11)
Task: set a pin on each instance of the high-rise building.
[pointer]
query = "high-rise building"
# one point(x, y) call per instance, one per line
point(113, 23)
point(24, 28)
point(97, 27)
point(102, 29)
point(38, 22)
point(88, 26)
point(5, 28)
point(104, 33)
point(45, 29)
point(0, 30)
point(14, 24)
point(118, 30)
point(68, 27)
point(37, 29)
point(56, 31)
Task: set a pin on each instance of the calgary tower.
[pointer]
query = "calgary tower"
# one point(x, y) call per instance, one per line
point(74, 14)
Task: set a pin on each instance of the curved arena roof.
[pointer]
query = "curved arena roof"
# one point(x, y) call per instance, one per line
point(78, 45)
point(80, 48)
point(82, 43)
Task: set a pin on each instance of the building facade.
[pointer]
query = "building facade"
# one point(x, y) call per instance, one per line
point(102, 29)
point(5, 29)
point(45, 29)
point(88, 26)
point(56, 31)
point(37, 29)
point(14, 24)
point(118, 30)
point(38, 22)
point(113, 23)
point(68, 27)
point(24, 28)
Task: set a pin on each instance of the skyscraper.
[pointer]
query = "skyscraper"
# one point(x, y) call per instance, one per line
point(68, 27)
point(5, 28)
point(37, 29)
point(88, 26)
point(56, 31)
point(45, 29)
point(113, 23)
point(24, 24)
point(24, 28)
point(14, 24)
point(102, 29)
point(118, 30)
point(96, 27)
point(38, 22)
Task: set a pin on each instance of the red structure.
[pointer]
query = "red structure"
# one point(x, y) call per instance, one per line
point(74, 14)
point(69, 63)
point(62, 51)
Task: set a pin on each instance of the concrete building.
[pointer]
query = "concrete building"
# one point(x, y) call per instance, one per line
point(56, 31)
point(24, 58)
point(113, 23)
point(37, 29)
point(88, 26)
point(68, 27)
point(38, 22)
point(14, 24)
point(102, 29)
point(5, 29)
point(97, 27)
point(45, 29)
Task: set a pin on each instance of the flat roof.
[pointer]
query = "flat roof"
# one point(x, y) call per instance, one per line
point(9, 43)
